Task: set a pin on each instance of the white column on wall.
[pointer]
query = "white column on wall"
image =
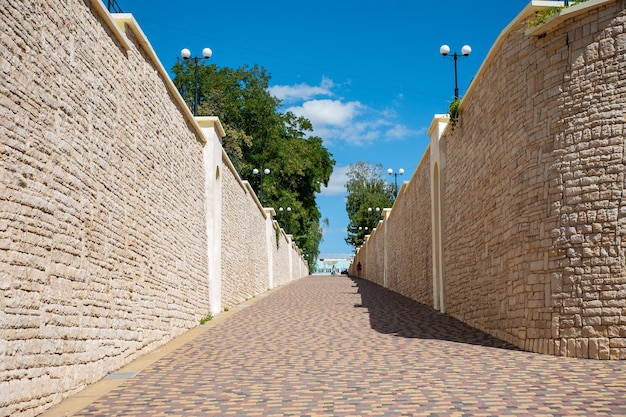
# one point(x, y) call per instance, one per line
point(386, 213)
point(437, 169)
point(212, 156)
point(367, 256)
point(291, 250)
point(270, 234)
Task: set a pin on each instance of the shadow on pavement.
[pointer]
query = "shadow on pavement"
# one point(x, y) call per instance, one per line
point(392, 313)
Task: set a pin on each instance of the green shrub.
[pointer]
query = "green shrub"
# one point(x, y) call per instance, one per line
point(454, 112)
point(543, 15)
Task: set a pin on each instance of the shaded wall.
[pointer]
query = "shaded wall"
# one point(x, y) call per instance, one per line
point(532, 247)
point(527, 191)
point(409, 243)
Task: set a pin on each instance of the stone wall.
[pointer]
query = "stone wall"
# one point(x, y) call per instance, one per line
point(536, 196)
point(281, 247)
point(244, 244)
point(297, 261)
point(95, 250)
point(398, 253)
point(409, 243)
point(104, 217)
point(532, 184)
point(375, 268)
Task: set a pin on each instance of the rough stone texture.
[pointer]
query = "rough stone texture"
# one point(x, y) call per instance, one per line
point(375, 267)
point(534, 192)
point(245, 270)
point(98, 264)
point(299, 267)
point(409, 239)
point(399, 250)
point(280, 258)
point(103, 240)
point(533, 248)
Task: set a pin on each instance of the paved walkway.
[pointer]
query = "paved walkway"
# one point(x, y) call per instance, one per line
point(333, 346)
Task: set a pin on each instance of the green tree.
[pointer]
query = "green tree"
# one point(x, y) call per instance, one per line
point(367, 190)
point(259, 136)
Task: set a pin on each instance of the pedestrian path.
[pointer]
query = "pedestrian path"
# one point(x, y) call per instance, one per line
point(337, 346)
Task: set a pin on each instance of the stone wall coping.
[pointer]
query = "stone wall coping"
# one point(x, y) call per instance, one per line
point(424, 160)
point(566, 13)
point(108, 20)
point(435, 123)
point(119, 23)
point(244, 184)
point(280, 229)
point(211, 121)
point(529, 10)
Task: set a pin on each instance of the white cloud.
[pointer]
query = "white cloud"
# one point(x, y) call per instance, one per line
point(339, 121)
point(365, 132)
point(397, 132)
point(303, 91)
point(328, 112)
point(337, 182)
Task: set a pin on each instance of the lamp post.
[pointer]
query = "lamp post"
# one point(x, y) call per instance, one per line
point(266, 171)
point(186, 54)
point(395, 175)
point(284, 215)
point(465, 51)
point(377, 209)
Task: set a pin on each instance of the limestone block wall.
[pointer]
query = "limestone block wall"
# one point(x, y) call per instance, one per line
point(532, 186)
point(409, 243)
point(245, 270)
point(375, 249)
point(295, 261)
point(589, 179)
point(98, 264)
point(398, 254)
point(537, 195)
point(281, 248)
point(300, 268)
point(497, 196)
point(105, 235)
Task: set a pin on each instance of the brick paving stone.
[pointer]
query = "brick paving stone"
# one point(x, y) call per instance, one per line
point(337, 346)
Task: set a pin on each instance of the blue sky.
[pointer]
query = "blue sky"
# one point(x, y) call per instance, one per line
point(368, 74)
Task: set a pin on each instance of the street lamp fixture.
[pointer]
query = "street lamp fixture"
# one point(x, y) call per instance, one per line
point(465, 51)
point(266, 171)
point(284, 214)
point(377, 209)
point(395, 175)
point(186, 54)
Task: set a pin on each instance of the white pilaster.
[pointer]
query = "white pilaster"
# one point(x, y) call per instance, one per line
point(212, 155)
point(437, 171)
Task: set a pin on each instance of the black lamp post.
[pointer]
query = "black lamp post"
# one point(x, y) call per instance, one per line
point(465, 51)
point(284, 215)
point(266, 171)
point(395, 175)
point(186, 54)
point(377, 209)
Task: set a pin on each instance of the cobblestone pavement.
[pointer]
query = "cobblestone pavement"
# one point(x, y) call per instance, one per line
point(336, 346)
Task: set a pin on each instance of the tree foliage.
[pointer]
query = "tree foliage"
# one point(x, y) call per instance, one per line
point(367, 190)
point(259, 136)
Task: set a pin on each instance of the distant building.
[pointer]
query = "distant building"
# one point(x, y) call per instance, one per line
point(326, 265)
